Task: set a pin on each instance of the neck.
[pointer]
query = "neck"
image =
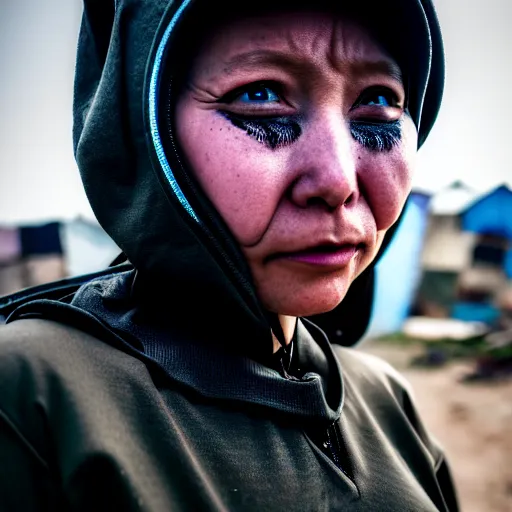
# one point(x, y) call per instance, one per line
point(288, 324)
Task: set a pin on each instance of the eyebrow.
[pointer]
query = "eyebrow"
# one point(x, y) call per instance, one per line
point(256, 58)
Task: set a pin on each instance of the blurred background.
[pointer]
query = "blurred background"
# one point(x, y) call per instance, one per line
point(443, 305)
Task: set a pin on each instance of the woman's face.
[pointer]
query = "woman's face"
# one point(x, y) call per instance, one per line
point(294, 125)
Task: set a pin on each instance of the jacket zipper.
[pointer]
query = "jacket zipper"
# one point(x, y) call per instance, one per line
point(333, 445)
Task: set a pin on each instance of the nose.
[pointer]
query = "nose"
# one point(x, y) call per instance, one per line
point(325, 165)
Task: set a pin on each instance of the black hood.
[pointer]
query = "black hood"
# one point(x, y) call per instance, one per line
point(186, 259)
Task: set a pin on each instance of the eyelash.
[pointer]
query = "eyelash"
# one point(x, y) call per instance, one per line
point(377, 135)
point(380, 136)
point(276, 132)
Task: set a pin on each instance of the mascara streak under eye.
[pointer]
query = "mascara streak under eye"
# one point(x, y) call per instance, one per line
point(377, 136)
point(274, 132)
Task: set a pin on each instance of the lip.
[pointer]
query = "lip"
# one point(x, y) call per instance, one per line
point(334, 256)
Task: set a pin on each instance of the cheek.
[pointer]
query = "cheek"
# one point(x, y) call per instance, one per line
point(243, 179)
point(386, 178)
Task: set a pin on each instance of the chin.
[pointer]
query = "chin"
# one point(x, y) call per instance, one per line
point(309, 301)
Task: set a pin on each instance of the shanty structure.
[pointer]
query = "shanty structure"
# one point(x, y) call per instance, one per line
point(467, 254)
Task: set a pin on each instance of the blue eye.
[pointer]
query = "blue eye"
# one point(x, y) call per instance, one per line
point(381, 101)
point(258, 94)
point(378, 97)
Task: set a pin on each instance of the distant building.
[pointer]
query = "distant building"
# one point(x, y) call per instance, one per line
point(30, 255)
point(467, 257)
point(451, 257)
point(447, 247)
point(35, 254)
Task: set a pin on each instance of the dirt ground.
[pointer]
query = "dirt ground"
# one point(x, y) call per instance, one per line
point(473, 421)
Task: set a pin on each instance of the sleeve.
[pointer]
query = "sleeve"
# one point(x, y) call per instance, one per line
point(442, 469)
point(25, 481)
point(445, 482)
point(28, 482)
point(386, 381)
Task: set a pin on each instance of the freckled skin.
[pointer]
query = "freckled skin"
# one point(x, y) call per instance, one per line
point(323, 186)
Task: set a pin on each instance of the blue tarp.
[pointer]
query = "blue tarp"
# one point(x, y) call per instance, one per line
point(399, 271)
point(491, 215)
point(475, 312)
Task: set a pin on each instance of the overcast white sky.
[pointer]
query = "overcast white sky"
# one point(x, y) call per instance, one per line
point(38, 176)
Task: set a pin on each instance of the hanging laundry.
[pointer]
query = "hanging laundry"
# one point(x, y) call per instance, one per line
point(10, 245)
point(42, 239)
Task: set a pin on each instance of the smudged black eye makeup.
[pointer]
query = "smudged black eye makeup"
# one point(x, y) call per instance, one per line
point(377, 136)
point(283, 131)
point(372, 131)
point(274, 132)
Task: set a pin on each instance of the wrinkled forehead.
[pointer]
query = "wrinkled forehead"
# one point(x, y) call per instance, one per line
point(298, 36)
point(377, 30)
point(399, 28)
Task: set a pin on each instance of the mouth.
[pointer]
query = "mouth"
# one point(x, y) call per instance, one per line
point(332, 256)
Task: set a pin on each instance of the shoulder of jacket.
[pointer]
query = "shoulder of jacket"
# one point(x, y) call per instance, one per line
point(38, 337)
point(50, 372)
point(40, 347)
point(378, 378)
point(372, 370)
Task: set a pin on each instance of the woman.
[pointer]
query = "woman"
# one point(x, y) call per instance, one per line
point(250, 164)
